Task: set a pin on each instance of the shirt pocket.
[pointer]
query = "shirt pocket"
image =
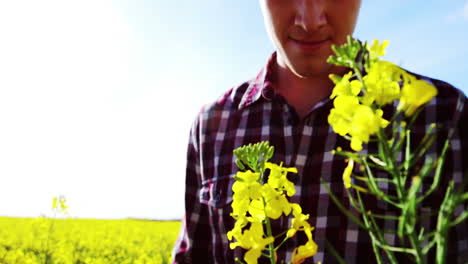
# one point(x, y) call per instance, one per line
point(217, 192)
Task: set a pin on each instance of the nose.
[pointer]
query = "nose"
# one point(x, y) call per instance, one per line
point(310, 14)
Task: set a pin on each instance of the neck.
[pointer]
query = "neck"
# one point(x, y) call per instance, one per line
point(303, 93)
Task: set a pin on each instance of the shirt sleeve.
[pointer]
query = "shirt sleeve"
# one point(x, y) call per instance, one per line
point(194, 241)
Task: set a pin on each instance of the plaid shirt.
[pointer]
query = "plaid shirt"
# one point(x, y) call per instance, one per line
point(252, 112)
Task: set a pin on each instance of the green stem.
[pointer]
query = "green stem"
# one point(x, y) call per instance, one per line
point(342, 208)
point(282, 242)
point(375, 179)
point(464, 197)
point(429, 246)
point(460, 219)
point(406, 164)
point(361, 211)
point(424, 145)
point(390, 249)
point(395, 116)
point(403, 195)
point(417, 248)
point(271, 246)
point(376, 235)
point(429, 235)
point(425, 140)
point(378, 257)
point(376, 250)
point(396, 145)
point(357, 71)
point(414, 116)
point(335, 253)
point(438, 172)
point(238, 261)
point(375, 188)
point(280, 234)
point(445, 212)
point(389, 160)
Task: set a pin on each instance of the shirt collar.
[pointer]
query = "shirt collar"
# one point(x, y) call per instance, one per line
point(262, 85)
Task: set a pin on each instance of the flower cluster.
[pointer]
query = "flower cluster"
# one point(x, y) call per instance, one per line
point(358, 100)
point(59, 205)
point(396, 171)
point(256, 201)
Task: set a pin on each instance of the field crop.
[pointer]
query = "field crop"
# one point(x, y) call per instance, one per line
point(85, 241)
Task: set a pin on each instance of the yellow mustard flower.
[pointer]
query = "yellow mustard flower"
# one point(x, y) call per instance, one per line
point(276, 202)
point(359, 121)
point(347, 174)
point(305, 251)
point(239, 205)
point(257, 210)
point(365, 123)
point(382, 83)
point(296, 209)
point(344, 87)
point(414, 94)
point(299, 222)
point(254, 241)
point(341, 116)
point(376, 49)
point(59, 204)
point(237, 230)
point(247, 184)
point(278, 178)
point(245, 189)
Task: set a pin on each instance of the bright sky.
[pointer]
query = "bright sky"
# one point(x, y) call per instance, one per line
point(97, 96)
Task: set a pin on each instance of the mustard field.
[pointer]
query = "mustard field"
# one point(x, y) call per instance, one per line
point(85, 241)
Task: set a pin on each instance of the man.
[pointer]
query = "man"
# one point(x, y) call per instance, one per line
point(287, 103)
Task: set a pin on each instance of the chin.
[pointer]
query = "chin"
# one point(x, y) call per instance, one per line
point(313, 71)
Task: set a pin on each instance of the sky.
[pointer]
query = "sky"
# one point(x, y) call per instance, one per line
point(97, 96)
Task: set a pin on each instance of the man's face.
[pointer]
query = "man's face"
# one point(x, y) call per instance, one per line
point(304, 30)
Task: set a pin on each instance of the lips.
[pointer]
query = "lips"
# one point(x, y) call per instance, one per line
point(310, 45)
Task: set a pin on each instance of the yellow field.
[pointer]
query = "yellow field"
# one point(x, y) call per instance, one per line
point(83, 241)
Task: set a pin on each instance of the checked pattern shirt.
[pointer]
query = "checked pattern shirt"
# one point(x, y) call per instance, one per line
point(253, 112)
